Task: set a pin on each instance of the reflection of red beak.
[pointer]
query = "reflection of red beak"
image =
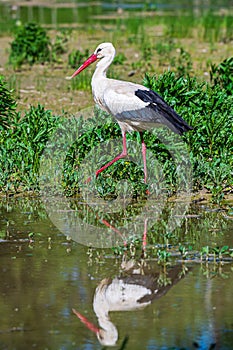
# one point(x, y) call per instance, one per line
point(87, 323)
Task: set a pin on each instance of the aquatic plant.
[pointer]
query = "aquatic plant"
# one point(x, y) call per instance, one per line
point(163, 257)
point(204, 253)
point(184, 250)
point(83, 83)
point(179, 26)
point(167, 236)
point(219, 252)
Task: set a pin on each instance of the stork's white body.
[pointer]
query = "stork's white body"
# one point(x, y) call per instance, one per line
point(135, 107)
point(118, 98)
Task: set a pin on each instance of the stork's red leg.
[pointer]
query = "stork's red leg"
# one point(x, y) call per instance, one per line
point(144, 157)
point(123, 154)
point(144, 238)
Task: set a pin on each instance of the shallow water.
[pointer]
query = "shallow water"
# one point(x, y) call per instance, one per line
point(88, 12)
point(44, 276)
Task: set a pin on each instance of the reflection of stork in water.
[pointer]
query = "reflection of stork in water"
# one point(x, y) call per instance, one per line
point(134, 291)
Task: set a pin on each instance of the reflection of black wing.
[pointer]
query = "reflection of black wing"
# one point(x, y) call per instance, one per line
point(163, 113)
point(157, 284)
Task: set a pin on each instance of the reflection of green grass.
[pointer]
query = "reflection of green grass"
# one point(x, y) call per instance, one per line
point(190, 246)
point(167, 256)
point(210, 26)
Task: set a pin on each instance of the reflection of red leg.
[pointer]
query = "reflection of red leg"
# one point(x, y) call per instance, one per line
point(123, 154)
point(106, 223)
point(144, 157)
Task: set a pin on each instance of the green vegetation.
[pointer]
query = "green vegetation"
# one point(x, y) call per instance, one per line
point(119, 59)
point(207, 107)
point(166, 247)
point(76, 58)
point(7, 105)
point(222, 74)
point(31, 45)
point(209, 110)
point(22, 141)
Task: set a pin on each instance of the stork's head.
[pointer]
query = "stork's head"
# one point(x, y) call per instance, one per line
point(103, 50)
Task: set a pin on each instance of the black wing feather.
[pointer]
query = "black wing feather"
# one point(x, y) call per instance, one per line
point(170, 117)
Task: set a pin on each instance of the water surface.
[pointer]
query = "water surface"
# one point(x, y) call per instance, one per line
point(44, 276)
point(74, 13)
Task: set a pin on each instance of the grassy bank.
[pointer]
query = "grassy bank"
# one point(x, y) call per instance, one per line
point(208, 108)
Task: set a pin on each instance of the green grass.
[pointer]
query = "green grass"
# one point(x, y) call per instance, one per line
point(209, 110)
point(207, 107)
point(83, 81)
point(22, 142)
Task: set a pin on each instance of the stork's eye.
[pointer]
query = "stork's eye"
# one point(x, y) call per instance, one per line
point(98, 50)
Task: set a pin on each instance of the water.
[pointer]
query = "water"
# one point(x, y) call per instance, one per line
point(44, 276)
point(74, 13)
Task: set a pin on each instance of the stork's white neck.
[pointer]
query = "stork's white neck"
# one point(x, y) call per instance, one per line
point(102, 67)
point(99, 80)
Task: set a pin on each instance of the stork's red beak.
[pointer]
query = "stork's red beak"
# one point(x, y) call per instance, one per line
point(87, 63)
point(87, 323)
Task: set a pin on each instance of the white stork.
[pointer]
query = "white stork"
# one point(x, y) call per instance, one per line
point(134, 291)
point(135, 107)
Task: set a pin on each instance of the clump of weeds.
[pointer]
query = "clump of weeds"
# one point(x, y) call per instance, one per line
point(31, 45)
point(222, 74)
point(76, 58)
